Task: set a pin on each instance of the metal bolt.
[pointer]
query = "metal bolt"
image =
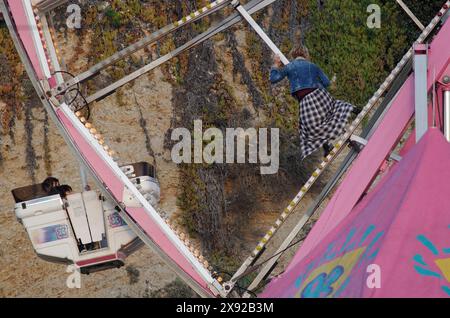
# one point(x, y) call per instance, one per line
point(446, 79)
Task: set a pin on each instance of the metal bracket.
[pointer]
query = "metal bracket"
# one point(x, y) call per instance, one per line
point(358, 143)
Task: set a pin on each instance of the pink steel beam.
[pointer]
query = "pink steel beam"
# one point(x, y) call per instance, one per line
point(380, 145)
point(438, 111)
point(29, 34)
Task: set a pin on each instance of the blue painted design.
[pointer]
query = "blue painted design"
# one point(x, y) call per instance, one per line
point(426, 272)
point(366, 256)
point(366, 234)
point(446, 289)
point(329, 255)
point(321, 286)
point(419, 259)
point(428, 244)
point(446, 250)
point(374, 254)
point(346, 247)
point(299, 281)
point(310, 266)
point(374, 241)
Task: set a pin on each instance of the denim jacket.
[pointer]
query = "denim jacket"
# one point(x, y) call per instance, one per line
point(301, 74)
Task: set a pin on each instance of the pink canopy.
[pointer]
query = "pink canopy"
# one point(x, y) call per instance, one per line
point(395, 243)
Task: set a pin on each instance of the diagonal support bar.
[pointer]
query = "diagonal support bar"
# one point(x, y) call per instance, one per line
point(44, 6)
point(260, 31)
point(447, 114)
point(411, 14)
point(363, 142)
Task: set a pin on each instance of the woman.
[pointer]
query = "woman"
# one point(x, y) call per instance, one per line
point(322, 118)
point(52, 187)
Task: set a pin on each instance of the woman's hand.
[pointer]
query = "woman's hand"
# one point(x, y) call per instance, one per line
point(333, 85)
point(277, 61)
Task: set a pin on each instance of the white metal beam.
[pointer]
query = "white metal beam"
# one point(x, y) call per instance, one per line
point(251, 7)
point(420, 90)
point(447, 114)
point(260, 31)
point(411, 14)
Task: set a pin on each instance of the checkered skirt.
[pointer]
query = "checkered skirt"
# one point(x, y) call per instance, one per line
point(322, 119)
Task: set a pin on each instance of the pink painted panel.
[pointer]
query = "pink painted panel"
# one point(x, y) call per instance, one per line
point(363, 170)
point(140, 215)
point(382, 142)
point(402, 227)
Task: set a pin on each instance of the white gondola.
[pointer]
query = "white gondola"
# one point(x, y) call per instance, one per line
point(83, 229)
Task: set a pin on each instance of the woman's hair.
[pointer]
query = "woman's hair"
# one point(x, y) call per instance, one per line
point(300, 51)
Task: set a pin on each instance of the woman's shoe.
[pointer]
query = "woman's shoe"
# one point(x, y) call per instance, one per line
point(327, 148)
